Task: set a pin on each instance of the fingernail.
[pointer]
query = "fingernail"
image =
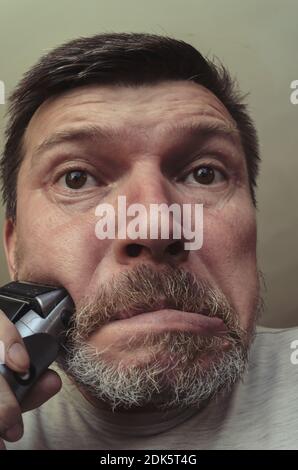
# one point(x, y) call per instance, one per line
point(14, 433)
point(18, 356)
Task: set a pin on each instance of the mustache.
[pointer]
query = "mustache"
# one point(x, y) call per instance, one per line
point(143, 289)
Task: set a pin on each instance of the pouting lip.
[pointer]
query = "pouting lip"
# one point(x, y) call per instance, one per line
point(162, 305)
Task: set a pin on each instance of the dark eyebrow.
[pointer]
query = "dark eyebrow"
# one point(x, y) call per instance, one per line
point(204, 128)
point(88, 132)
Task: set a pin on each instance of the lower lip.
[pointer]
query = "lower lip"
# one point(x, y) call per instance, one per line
point(174, 320)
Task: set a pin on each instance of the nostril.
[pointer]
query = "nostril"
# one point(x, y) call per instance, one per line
point(133, 250)
point(175, 248)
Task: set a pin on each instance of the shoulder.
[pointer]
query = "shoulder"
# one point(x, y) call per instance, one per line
point(274, 355)
point(273, 337)
point(267, 330)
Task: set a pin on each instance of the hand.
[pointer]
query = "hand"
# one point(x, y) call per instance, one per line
point(17, 359)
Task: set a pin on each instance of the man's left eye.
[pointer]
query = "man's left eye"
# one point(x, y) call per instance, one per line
point(77, 179)
point(205, 175)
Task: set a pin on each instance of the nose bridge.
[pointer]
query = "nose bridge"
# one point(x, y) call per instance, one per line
point(147, 185)
point(148, 196)
point(145, 234)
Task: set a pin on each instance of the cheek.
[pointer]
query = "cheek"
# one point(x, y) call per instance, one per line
point(60, 250)
point(232, 237)
point(229, 254)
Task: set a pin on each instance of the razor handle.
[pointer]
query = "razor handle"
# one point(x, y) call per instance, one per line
point(41, 314)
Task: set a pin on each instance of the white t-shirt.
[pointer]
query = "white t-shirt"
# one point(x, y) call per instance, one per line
point(261, 412)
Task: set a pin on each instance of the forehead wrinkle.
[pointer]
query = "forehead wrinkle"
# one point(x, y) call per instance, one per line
point(96, 133)
point(188, 123)
point(90, 132)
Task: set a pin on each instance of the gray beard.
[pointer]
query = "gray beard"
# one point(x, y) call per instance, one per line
point(184, 380)
point(180, 369)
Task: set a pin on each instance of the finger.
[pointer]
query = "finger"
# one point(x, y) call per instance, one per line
point(15, 353)
point(11, 423)
point(48, 385)
point(2, 445)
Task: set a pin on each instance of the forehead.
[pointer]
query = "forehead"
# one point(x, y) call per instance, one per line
point(144, 106)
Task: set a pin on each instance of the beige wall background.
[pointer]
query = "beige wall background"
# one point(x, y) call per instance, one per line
point(256, 39)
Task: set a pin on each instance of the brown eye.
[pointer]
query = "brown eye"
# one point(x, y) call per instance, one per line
point(75, 179)
point(205, 175)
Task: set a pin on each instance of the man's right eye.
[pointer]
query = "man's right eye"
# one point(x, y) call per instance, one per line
point(77, 179)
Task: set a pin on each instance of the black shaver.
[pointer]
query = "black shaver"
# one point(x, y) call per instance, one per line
point(41, 314)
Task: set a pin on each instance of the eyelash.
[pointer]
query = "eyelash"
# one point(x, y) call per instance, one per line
point(64, 172)
point(201, 165)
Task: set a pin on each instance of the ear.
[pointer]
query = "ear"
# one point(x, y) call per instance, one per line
point(10, 243)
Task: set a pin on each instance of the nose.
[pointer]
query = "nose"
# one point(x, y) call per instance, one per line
point(160, 251)
point(164, 246)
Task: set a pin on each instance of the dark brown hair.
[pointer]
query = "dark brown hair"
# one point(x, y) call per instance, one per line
point(117, 58)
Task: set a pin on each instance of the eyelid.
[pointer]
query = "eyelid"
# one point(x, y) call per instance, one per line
point(62, 173)
point(201, 162)
point(76, 166)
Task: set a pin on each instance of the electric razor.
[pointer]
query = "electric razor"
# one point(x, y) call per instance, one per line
point(41, 314)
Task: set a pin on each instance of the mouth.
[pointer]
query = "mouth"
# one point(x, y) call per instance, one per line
point(141, 309)
point(157, 306)
point(158, 320)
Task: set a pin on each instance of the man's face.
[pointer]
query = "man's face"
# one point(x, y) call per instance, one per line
point(147, 143)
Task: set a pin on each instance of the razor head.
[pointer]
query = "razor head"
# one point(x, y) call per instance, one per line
point(17, 298)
